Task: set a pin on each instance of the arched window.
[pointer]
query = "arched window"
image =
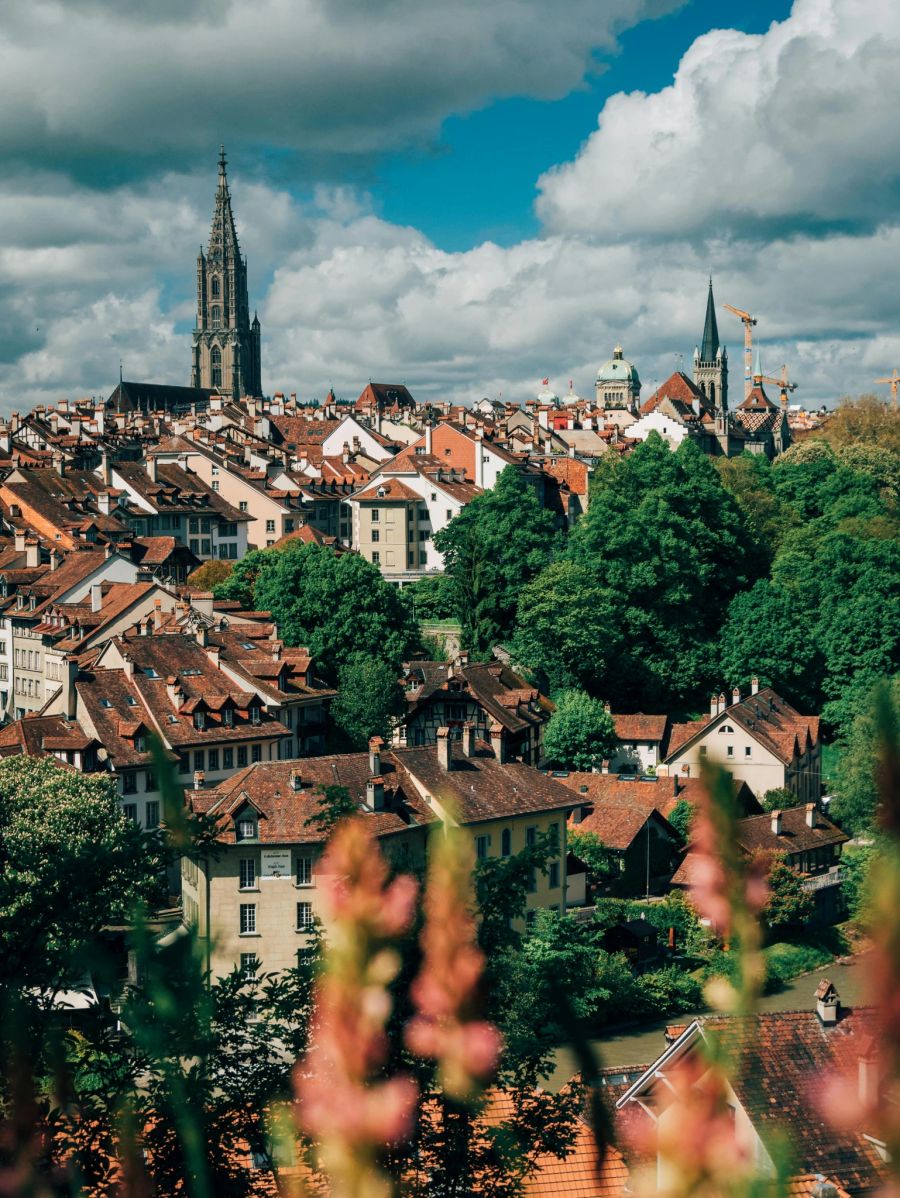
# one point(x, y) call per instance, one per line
point(215, 362)
point(215, 314)
point(712, 392)
point(214, 288)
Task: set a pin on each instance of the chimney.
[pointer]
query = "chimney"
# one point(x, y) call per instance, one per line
point(55, 558)
point(96, 596)
point(498, 741)
point(676, 786)
point(754, 685)
point(810, 815)
point(735, 696)
point(479, 460)
point(59, 464)
point(296, 779)
point(199, 779)
point(375, 745)
point(105, 468)
point(444, 749)
point(721, 701)
point(828, 1002)
point(776, 822)
point(20, 540)
point(127, 665)
point(32, 553)
point(214, 653)
point(606, 706)
point(604, 766)
point(202, 636)
point(157, 613)
point(173, 691)
point(428, 436)
point(375, 793)
point(713, 707)
point(151, 468)
point(104, 502)
point(468, 739)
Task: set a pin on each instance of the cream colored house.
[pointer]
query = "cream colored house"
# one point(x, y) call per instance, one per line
point(255, 904)
point(760, 740)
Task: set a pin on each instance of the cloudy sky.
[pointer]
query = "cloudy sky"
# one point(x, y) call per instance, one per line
point(467, 197)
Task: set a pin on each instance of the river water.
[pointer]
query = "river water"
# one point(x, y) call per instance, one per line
point(642, 1045)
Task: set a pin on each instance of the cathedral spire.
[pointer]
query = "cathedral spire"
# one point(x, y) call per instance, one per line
point(710, 346)
point(223, 240)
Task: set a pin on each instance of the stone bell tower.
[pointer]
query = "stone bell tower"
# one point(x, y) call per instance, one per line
point(226, 345)
point(711, 362)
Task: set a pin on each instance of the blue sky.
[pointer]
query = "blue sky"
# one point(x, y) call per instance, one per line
point(459, 194)
point(469, 197)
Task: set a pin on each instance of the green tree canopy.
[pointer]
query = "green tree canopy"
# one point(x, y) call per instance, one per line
point(496, 545)
point(211, 574)
point(369, 700)
point(788, 904)
point(580, 733)
point(567, 628)
point(337, 604)
point(671, 543)
point(70, 863)
point(856, 797)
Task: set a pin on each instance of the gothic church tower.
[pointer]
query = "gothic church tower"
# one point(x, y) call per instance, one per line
point(711, 363)
point(226, 344)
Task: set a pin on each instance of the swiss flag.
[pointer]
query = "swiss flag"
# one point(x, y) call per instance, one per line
point(545, 382)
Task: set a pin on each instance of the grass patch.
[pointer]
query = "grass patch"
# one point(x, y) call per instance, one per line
point(787, 959)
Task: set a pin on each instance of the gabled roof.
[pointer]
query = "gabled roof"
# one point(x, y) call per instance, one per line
point(681, 393)
point(785, 1061)
point(766, 717)
point(640, 727)
point(619, 822)
point(38, 735)
point(502, 693)
point(796, 836)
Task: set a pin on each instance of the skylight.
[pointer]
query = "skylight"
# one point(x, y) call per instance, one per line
point(105, 703)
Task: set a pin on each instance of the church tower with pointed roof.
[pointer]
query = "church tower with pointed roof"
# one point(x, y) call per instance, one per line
point(711, 362)
point(226, 345)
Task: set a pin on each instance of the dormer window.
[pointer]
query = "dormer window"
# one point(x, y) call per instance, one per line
point(255, 714)
point(227, 717)
point(131, 701)
point(200, 720)
point(140, 742)
point(246, 828)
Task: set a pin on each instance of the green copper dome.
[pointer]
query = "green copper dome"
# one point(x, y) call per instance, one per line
point(618, 370)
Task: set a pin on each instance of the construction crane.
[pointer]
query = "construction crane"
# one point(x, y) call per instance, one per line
point(782, 383)
point(894, 381)
point(748, 322)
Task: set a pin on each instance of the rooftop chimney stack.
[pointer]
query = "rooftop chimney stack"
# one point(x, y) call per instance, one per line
point(721, 702)
point(468, 739)
point(776, 823)
point(754, 685)
point(32, 553)
point(444, 749)
point(735, 696)
point(20, 540)
point(828, 1002)
point(96, 596)
point(810, 815)
point(604, 766)
point(498, 741)
point(375, 746)
point(296, 779)
point(375, 793)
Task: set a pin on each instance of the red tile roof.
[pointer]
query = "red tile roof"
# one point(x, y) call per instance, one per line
point(641, 727)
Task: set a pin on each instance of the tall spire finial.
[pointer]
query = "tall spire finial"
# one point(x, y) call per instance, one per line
point(222, 161)
point(710, 344)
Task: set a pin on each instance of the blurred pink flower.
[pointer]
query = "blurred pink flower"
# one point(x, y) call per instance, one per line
point(351, 1111)
point(446, 989)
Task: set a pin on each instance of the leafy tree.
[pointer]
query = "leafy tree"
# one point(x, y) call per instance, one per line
point(670, 542)
point(866, 420)
point(580, 733)
point(779, 799)
point(494, 547)
point(856, 797)
point(433, 597)
point(601, 862)
point(369, 700)
point(337, 604)
point(680, 818)
point(748, 478)
point(567, 628)
point(239, 586)
point(856, 865)
point(210, 575)
point(70, 863)
point(788, 905)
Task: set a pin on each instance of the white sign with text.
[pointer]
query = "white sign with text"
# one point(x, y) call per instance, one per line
point(276, 863)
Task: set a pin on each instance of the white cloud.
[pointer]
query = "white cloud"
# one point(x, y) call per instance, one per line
point(758, 135)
